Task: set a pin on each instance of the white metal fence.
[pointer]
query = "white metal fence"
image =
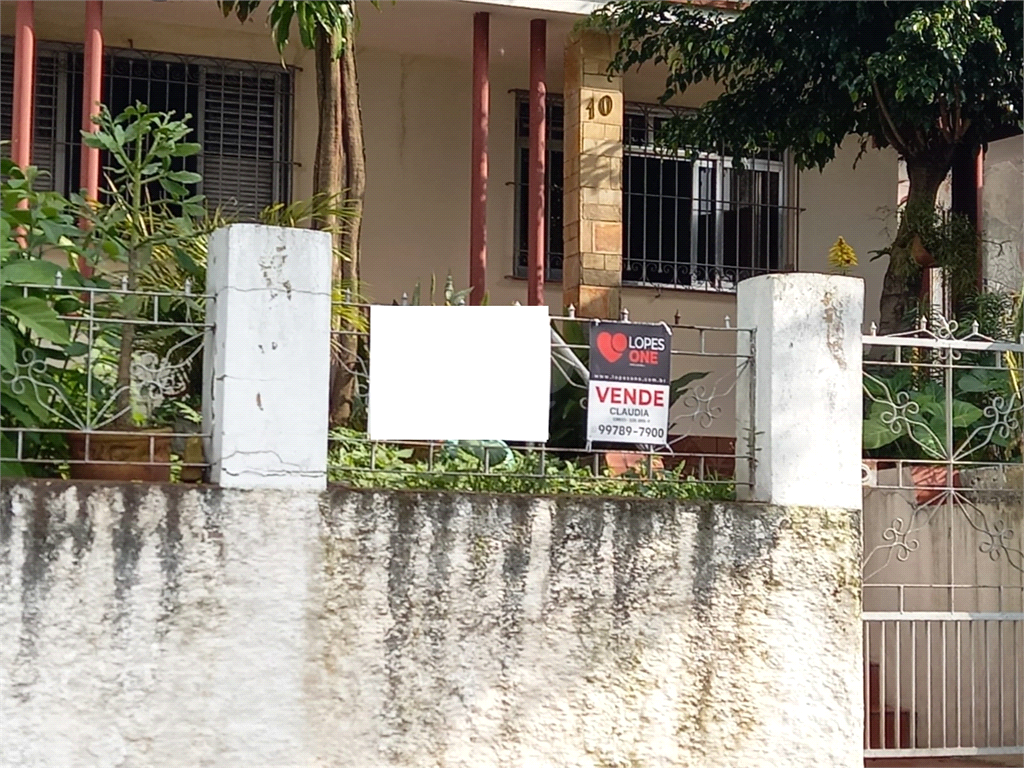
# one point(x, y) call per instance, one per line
point(943, 566)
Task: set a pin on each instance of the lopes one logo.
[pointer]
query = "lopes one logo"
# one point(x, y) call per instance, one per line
point(642, 350)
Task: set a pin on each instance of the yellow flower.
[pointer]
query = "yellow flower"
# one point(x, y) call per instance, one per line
point(842, 257)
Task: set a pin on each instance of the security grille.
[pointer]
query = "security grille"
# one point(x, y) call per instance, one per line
point(241, 114)
point(690, 220)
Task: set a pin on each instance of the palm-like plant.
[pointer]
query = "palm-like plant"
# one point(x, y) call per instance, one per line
point(328, 27)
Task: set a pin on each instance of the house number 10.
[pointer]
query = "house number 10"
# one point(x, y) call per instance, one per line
point(604, 106)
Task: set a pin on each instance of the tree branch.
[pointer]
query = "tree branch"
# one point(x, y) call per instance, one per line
point(896, 138)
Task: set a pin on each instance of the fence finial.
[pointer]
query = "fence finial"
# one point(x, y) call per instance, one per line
point(728, 322)
point(624, 315)
point(873, 329)
point(923, 325)
point(348, 295)
point(58, 279)
point(188, 286)
point(571, 311)
point(124, 282)
point(405, 299)
point(975, 328)
point(676, 318)
point(516, 303)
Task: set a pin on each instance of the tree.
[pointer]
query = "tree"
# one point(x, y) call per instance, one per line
point(327, 27)
point(920, 77)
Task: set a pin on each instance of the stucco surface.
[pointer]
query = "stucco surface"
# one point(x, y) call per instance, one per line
point(166, 626)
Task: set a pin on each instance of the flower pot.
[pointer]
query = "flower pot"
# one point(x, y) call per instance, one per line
point(620, 463)
point(930, 482)
point(131, 452)
point(923, 258)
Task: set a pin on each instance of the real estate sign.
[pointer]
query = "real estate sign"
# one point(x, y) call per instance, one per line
point(628, 397)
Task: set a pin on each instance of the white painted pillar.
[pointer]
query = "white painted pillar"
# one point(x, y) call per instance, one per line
point(806, 413)
point(267, 367)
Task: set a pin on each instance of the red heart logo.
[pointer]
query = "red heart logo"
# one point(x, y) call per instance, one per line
point(611, 346)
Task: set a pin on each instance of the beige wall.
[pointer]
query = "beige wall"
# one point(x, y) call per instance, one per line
point(415, 75)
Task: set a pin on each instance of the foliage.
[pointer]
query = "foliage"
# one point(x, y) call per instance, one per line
point(917, 76)
point(450, 297)
point(32, 319)
point(331, 17)
point(920, 77)
point(353, 462)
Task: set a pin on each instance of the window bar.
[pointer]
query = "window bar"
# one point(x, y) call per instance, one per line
point(897, 628)
point(928, 679)
point(913, 685)
point(959, 684)
point(867, 684)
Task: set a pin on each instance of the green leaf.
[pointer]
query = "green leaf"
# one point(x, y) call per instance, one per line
point(39, 317)
point(8, 350)
point(184, 177)
point(31, 271)
point(679, 386)
point(965, 414)
point(877, 435)
point(186, 149)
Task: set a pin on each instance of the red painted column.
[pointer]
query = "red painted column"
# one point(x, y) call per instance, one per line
point(92, 93)
point(478, 186)
point(979, 207)
point(24, 83)
point(536, 192)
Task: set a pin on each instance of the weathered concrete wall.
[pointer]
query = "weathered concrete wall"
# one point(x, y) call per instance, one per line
point(168, 626)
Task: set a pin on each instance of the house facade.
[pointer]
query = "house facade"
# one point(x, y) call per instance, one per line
point(445, 92)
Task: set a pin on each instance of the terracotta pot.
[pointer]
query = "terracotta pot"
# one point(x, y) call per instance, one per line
point(930, 482)
point(921, 255)
point(131, 452)
point(621, 462)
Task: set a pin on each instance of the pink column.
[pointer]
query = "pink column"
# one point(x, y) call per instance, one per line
point(979, 208)
point(538, 160)
point(92, 93)
point(24, 83)
point(478, 186)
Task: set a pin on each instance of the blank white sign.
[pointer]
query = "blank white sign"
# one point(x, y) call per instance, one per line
point(459, 373)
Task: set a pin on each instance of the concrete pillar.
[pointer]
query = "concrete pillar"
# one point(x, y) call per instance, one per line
point(266, 368)
point(478, 149)
point(537, 191)
point(592, 269)
point(805, 418)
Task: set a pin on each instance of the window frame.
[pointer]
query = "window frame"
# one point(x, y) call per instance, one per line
point(63, 141)
point(786, 207)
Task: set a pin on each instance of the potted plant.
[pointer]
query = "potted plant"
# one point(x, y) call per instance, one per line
point(146, 207)
point(38, 231)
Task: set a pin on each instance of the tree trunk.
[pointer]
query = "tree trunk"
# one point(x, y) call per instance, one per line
point(903, 276)
point(328, 164)
point(344, 367)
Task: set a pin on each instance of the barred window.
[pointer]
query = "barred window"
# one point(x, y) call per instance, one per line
point(690, 220)
point(241, 115)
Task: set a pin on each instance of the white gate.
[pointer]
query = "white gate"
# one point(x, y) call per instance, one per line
point(943, 568)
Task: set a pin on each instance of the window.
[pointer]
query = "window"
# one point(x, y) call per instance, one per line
point(241, 114)
point(553, 186)
point(702, 221)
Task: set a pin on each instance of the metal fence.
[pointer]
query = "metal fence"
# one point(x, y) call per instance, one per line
point(108, 378)
point(699, 460)
point(943, 566)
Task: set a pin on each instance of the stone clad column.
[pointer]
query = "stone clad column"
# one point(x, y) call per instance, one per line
point(592, 271)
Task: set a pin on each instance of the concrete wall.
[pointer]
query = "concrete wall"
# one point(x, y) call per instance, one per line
point(1003, 214)
point(173, 626)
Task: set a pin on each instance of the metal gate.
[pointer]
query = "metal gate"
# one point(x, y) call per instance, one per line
point(943, 568)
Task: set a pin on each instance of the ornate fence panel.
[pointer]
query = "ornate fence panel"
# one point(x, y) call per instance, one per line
point(943, 566)
point(698, 460)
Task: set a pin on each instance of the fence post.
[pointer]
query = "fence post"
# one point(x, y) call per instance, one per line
point(805, 418)
point(265, 375)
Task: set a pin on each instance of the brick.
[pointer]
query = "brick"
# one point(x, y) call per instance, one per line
point(602, 212)
point(600, 276)
point(607, 238)
point(599, 196)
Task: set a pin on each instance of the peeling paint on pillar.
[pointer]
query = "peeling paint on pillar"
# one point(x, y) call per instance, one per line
point(175, 626)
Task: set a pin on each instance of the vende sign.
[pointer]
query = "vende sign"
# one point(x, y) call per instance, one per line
point(628, 397)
